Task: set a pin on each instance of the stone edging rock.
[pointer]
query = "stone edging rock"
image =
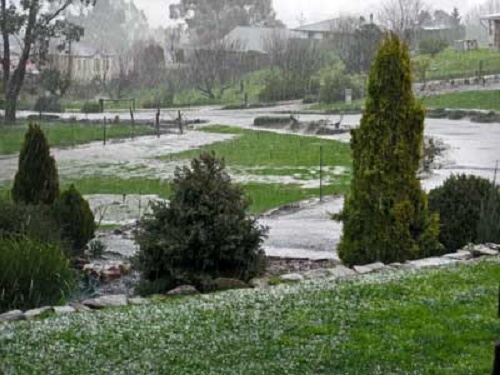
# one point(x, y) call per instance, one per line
point(468, 254)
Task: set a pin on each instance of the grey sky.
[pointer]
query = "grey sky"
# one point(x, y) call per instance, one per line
point(289, 11)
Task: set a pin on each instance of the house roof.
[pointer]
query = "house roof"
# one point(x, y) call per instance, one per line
point(255, 39)
point(495, 16)
point(320, 27)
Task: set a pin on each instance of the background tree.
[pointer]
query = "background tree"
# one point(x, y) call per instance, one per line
point(203, 233)
point(215, 68)
point(386, 217)
point(455, 18)
point(357, 44)
point(33, 21)
point(212, 19)
point(112, 26)
point(295, 63)
point(36, 181)
point(403, 17)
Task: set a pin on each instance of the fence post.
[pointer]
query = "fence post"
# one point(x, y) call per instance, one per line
point(132, 122)
point(179, 119)
point(101, 105)
point(104, 132)
point(158, 120)
point(321, 173)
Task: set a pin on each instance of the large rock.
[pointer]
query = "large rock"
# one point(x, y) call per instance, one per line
point(80, 307)
point(138, 301)
point(35, 313)
point(459, 255)
point(259, 283)
point(12, 316)
point(431, 262)
point(481, 250)
point(292, 278)
point(106, 301)
point(183, 290)
point(369, 268)
point(341, 271)
point(317, 274)
point(222, 283)
point(64, 310)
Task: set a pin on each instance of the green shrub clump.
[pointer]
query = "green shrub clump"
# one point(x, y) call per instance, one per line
point(33, 274)
point(36, 181)
point(335, 85)
point(91, 107)
point(281, 87)
point(459, 202)
point(48, 104)
point(35, 222)
point(432, 46)
point(75, 218)
point(386, 216)
point(202, 234)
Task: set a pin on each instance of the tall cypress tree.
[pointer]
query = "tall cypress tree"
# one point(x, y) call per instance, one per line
point(386, 217)
point(37, 180)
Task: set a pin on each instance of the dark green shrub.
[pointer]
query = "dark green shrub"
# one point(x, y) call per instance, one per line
point(278, 87)
point(37, 180)
point(48, 104)
point(35, 222)
point(488, 228)
point(485, 118)
point(203, 233)
point(33, 274)
point(334, 86)
point(432, 46)
point(91, 107)
point(457, 114)
point(436, 113)
point(75, 219)
point(385, 216)
point(458, 202)
point(269, 120)
point(310, 99)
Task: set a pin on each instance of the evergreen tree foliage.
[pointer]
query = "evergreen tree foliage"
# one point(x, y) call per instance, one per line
point(386, 216)
point(488, 229)
point(202, 234)
point(465, 205)
point(37, 180)
point(75, 218)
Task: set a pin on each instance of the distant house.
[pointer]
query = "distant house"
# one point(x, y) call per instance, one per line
point(15, 54)
point(442, 32)
point(320, 30)
point(493, 23)
point(84, 63)
point(257, 39)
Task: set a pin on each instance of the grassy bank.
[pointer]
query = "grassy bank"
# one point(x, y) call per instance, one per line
point(485, 100)
point(440, 321)
point(449, 64)
point(66, 135)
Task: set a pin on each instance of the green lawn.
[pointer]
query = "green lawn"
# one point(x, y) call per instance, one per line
point(485, 100)
point(449, 64)
point(441, 321)
point(261, 148)
point(65, 135)
point(261, 159)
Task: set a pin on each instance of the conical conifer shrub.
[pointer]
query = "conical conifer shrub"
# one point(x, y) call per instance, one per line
point(37, 180)
point(386, 216)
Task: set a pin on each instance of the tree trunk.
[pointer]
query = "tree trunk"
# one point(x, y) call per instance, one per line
point(10, 107)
